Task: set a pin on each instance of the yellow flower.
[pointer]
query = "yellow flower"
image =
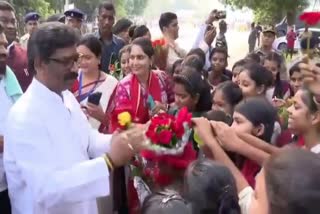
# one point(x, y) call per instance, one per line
point(124, 118)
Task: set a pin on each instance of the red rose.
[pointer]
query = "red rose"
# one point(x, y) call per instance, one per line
point(310, 18)
point(152, 135)
point(165, 137)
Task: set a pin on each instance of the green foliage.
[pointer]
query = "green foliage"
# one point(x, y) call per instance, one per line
point(268, 11)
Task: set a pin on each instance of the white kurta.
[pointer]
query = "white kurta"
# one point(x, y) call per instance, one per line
point(52, 157)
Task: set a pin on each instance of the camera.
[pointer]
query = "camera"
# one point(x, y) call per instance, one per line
point(221, 14)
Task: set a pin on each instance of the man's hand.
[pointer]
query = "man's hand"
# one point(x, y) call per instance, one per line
point(96, 112)
point(212, 17)
point(209, 35)
point(126, 144)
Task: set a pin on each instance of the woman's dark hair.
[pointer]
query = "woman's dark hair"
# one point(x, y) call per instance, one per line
point(292, 182)
point(278, 88)
point(194, 62)
point(93, 43)
point(124, 50)
point(253, 58)
point(166, 202)
point(145, 45)
point(121, 25)
point(195, 85)
point(47, 39)
point(219, 50)
point(211, 188)
point(166, 19)
point(294, 69)
point(231, 92)
point(198, 52)
point(219, 116)
point(177, 63)
point(259, 74)
point(140, 31)
point(308, 99)
point(241, 62)
point(258, 110)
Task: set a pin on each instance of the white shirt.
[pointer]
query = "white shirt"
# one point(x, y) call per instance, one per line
point(5, 104)
point(52, 157)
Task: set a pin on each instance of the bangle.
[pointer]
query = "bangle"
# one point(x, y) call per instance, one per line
point(108, 162)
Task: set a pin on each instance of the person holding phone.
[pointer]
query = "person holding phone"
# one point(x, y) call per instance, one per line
point(94, 89)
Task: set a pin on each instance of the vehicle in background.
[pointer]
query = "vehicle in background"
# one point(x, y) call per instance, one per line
point(282, 27)
point(280, 43)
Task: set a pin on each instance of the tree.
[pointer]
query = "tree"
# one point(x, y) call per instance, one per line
point(135, 7)
point(290, 8)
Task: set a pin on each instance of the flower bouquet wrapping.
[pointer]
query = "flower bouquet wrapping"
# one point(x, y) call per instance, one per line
point(167, 134)
point(161, 53)
point(284, 114)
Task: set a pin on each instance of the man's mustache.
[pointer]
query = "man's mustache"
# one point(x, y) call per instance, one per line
point(71, 76)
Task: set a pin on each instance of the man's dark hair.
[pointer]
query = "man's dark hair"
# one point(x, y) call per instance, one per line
point(6, 6)
point(47, 39)
point(166, 19)
point(107, 6)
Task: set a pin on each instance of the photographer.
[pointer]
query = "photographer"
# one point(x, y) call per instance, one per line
point(207, 34)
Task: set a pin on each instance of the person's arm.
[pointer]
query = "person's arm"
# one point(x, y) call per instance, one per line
point(203, 129)
point(30, 157)
point(258, 143)
point(230, 141)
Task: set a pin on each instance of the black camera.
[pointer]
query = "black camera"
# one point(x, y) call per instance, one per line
point(221, 14)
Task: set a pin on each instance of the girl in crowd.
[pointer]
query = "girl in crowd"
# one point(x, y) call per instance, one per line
point(236, 69)
point(254, 80)
point(226, 96)
point(211, 188)
point(278, 88)
point(144, 92)
point(295, 79)
point(219, 62)
point(304, 119)
point(255, 116)
point(124, 56)
point(273, 193)
point(91, 80)
point(176, 67)
point(191, 91)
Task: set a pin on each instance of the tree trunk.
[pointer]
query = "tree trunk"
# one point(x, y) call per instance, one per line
point(291, 17)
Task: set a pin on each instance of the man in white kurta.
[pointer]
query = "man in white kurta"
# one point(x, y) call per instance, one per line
point(53, 159)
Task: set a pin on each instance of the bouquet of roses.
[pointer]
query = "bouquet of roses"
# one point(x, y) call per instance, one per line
point(167, 134)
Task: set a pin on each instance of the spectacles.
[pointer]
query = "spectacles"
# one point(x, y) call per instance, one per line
point(66, 62)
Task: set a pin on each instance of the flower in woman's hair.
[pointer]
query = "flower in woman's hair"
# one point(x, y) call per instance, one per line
point(124, 119)
point(310, 18)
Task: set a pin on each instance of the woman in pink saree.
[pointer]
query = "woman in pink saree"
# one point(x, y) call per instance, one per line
point(144, 92)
